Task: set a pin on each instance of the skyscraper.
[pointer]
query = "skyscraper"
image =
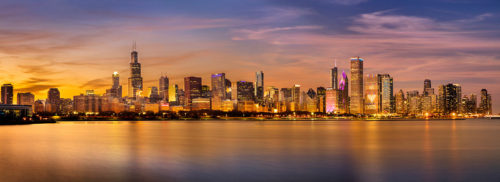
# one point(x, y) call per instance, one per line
point(296, 96)
point(53, 100)
point(116, 88)
point(229, 90)
point(321, 99)
point(7, 94)
point(218, 90)
point(164, 84)
point(428, 87)
point(449, 98)
point(401, 103)
point(332, 98)
point(26, 99)
point(154, 95)
point(259, 87)
point(386, 89)
point(485, 104)
point(192, 89)
point(344, 94)
point(334, 77)
point(173, 96)
point(245, 91)
point(135, 80)
point(372, 94)
point(356, 100)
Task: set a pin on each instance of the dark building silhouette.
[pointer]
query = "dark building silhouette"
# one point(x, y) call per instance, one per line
point(7, 94)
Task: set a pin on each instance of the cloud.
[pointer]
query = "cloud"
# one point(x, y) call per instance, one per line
point(97, 83)
point(346, 2)
point(249, 34)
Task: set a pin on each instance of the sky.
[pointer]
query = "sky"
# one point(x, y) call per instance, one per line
point(76, 45)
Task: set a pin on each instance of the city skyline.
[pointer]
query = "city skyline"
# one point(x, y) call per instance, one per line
point(73, 65)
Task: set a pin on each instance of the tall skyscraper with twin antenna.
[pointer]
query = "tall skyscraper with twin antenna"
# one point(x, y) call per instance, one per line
point(135, 80)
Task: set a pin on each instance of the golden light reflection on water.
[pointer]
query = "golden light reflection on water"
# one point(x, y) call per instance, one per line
point(249, 150)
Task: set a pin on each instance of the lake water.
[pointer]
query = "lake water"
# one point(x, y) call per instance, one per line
point(462, 150)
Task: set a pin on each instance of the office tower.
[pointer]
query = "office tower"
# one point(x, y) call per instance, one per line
point(372, 94)
point(89, 103)
point(219, 93)
point(310, 101)
point(331, 100)
point(66, 105)
point(53, 101)
point(164, 85)
point(311, 93)
point(154, 95)
point(116, 89)
point(229, 90)
point(296, 95)
point(427, 87)
point(173, 96)
point(485, 105)
point(182, 97)
point(334, 77)
point(414, 104)
point(7, 94)
point(39, 106)
point(245, 91)
point(400, 103)
point(26, 99)
point(356, 100)
point(286, 94)
point(472, 103)
point(135, 80)
point(205, 91)
point(272, 96)
point(321, 99)
point(259, 87)
point(344, 94)
point(449, 98)
point(386, 91)
point(192, 89)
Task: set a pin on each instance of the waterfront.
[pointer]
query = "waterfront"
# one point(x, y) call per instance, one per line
point(440, 150)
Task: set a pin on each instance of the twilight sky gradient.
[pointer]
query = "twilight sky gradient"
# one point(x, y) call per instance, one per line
point(76, 45)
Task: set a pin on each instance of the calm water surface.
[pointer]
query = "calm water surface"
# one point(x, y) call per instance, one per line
point(467, 150)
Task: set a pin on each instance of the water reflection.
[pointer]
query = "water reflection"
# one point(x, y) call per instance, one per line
point(251, 151)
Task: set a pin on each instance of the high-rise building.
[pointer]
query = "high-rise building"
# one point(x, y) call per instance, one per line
point(245, 91)
point(26, 99)
point(450, 98)
point(372, 94)
point(135, 80)
point(321, 99)
point(344, 94)
point(219, 93)
point(205, 91)
point(53, 103)
point(229, 90)
point(332, 100)
point(334, 78)
point(386, 91)
point(485, 105)
point(259, 87)
point(192, 89)
point(7, 94)
point(116, 89)
point(427, 87)
point(296, 95)
point(401, 103)
point(164, 85)
point(356, 100)
point(173, 96)
point(154, 95)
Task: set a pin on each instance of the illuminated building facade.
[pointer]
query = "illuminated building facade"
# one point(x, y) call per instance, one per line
point(450, 98)
point(26, 99)
point(344, 94)
point(53, 102)
point(401, 104)
point(332, 98)
point(386, 90)
point(116, 88)
point(321, 99)
point(244, 91)
point(259, 87)
point(173, 95)
point(192, 89)
point(485, 105)
point(356, 100)
point(164, 88)
point(371, 94)
point(219, 93)
point(7, 94)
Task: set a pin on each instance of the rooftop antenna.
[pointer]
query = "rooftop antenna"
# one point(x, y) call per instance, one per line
point(134, 46)
point(335, 62)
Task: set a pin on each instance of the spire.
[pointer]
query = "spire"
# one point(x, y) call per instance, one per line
point(335, 62)
point(134, 46)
